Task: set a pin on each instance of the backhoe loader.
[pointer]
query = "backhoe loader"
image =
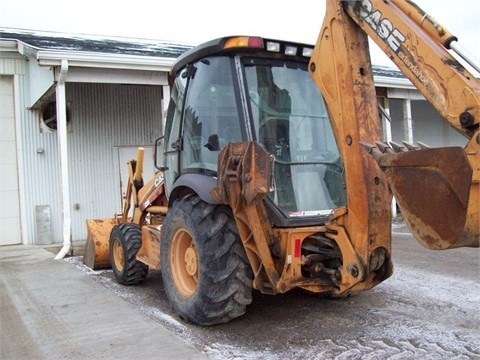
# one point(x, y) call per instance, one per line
point(272, 174)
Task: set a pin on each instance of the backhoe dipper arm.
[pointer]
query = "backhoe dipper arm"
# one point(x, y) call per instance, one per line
point(418, 45)
point(436, 189)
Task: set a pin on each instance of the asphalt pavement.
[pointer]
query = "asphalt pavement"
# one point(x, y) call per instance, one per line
point(50, 310)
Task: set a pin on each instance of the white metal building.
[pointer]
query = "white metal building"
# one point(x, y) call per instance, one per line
point(74, 109)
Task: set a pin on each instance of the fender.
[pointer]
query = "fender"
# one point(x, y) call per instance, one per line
point(201, 184)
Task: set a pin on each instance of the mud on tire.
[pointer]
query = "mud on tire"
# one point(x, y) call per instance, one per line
point(125, 241)
point(205, 270)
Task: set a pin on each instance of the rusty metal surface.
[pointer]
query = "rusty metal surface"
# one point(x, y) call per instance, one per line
point(447, 85)
point(340, 66)
point(96, 248)
point(243, 181)
point(433, 189)
point(244, 174)
point(250, 165)
point(149, 253)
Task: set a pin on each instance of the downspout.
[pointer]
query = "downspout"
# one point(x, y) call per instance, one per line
point(62, 147)
point(408, 122)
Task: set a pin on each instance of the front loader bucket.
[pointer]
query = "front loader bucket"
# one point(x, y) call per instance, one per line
point(98, 237)
point(433, 189)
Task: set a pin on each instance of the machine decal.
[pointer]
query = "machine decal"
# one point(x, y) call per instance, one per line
point(390, 35)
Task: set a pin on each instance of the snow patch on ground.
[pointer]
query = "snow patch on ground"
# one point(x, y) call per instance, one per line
point(417, 313)
point(119, 290)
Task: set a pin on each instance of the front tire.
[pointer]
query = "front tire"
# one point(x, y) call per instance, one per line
point(205, 270)
point(125, 241)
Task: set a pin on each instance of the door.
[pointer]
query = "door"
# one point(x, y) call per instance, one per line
point(10, 232)
point(172, 140)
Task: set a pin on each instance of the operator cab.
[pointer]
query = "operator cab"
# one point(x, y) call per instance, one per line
point(252, 89)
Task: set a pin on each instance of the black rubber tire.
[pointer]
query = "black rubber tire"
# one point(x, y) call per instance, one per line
point(221, 288)
point(125, 241)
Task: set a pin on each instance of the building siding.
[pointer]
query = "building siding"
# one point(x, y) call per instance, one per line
point(428, 126)
point(102, 118)
point(12, 65)
point(9, 191)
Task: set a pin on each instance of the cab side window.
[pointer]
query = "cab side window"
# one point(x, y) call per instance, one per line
point(211, 117)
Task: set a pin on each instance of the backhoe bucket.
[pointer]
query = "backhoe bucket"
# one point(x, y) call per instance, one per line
point(98, 237)
point(433, 189)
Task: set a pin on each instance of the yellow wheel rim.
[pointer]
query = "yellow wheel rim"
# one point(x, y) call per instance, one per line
point(118, 255)
point(184, 263)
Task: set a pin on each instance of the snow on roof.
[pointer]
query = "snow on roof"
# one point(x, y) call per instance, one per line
point(380, 70)
point(95, 43)
point(124, 46)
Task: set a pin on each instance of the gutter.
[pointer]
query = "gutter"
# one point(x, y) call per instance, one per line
point(103, 60)
point(49, 58)
point(391, 82)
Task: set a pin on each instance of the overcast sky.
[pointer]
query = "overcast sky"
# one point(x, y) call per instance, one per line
point(195, 21)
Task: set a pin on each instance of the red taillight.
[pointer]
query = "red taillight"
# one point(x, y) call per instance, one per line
point(298, 248)
point(255, 42)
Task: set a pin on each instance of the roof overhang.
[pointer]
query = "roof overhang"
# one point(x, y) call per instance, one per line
point(393, 82)
point(49, 58)
point(104, 61)
point(8, 45)
point(86, 67)
point(124, 68)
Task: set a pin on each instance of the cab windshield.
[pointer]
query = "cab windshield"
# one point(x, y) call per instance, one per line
point(291, 121)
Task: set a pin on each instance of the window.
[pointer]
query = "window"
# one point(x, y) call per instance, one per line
point(211, 117)
point(291, 121)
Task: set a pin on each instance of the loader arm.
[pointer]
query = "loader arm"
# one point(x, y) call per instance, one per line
point(436, 189)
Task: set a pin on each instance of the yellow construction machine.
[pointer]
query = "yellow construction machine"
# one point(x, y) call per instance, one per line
point(272, 173)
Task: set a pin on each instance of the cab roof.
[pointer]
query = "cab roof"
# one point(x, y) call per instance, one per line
point(254, 44)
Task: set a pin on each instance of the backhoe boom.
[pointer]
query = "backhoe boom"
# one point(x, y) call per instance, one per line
point(418, 45)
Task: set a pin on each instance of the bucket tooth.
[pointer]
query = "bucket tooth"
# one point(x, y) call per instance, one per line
point(384, 147)
point(367, 145)
point(410, 146)
point(423, 145)
point(397, 147)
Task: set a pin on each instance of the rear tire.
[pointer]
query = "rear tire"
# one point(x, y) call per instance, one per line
point(205, 270)
point(125, 241)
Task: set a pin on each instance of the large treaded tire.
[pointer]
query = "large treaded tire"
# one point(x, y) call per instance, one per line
point(205, 270)
point(125, 241)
